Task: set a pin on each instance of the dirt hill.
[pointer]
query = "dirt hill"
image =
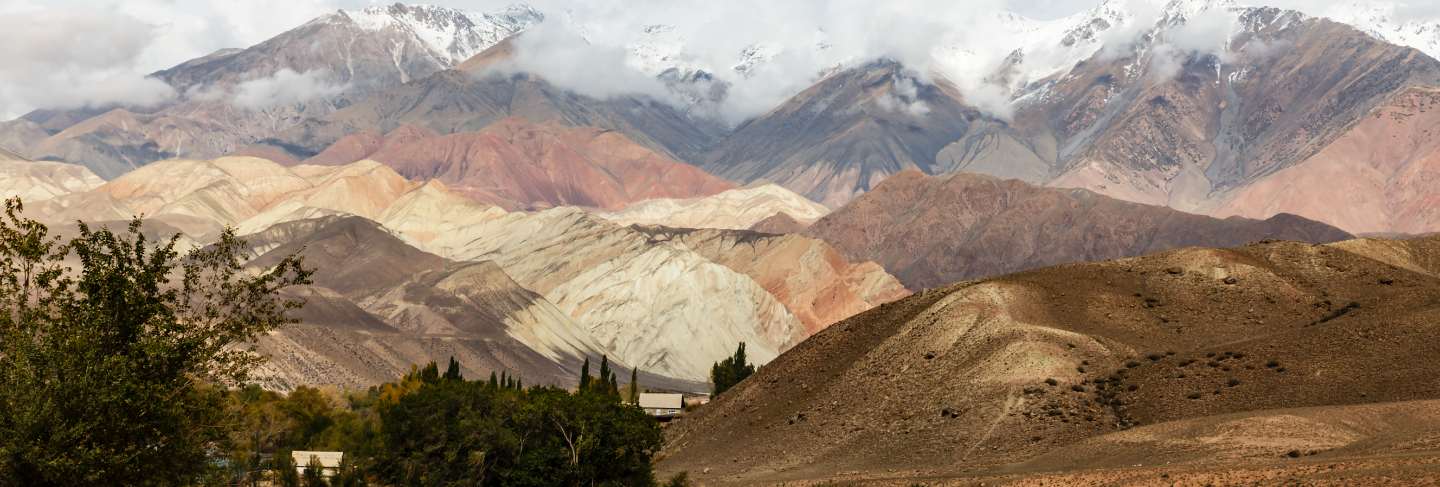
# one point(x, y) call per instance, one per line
point(1178, 357)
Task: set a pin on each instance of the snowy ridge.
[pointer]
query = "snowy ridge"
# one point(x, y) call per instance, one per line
point(452, 35)
point(1381, 21)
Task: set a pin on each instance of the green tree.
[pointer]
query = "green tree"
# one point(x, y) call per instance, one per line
point(634, 393)
point(726, 373)
point(315, 473)
point(286, 475)
point(105, 364)
point(452, 372)
point(585, 375)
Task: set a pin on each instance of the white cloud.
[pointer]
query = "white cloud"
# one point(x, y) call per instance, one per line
point(285, 87)
point(67, 58)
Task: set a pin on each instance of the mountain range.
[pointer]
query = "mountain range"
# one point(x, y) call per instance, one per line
point(512, 215)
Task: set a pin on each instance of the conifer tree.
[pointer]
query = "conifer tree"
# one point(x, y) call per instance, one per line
point(634, 392)
point(494, 382)
point(604, 375)
point(585, 375)
point(452, 372)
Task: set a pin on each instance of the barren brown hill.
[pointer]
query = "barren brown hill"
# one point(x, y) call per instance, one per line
point(929, 231)
point(1179, 357)
point(360, 145)
point(514, 163)
point(779, 223)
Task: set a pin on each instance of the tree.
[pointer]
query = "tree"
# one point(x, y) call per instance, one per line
point(452, 372)
point(315, 473)
point(726, 373)
point(285, 472)
point(634, 392)
point(604, 385)
point(585, 375)
point(106, 364)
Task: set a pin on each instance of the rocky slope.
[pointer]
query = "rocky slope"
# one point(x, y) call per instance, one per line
point(517, 164)
point(736, 209)
point(932, 230)
point(662, 307)
point(455, 101)
point(844, 135)
point(811, 278)
point(652, 304)
point(378, 305)
point(1054, 366)
point(1379, 176)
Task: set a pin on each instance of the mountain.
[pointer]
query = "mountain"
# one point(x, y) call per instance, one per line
point(844, 135)
point(736, 209)
point(1221, 121)
point(1182, 363)
point(233, 98)
point(378, 305)
point(932, 230)
point(365, 50)
point(1380, 175)
point(1388, 22)
point(811, 278)
point(1174, 114)
point(658, 306)
point(35, 181)
point(455, 101)
point(518, 164)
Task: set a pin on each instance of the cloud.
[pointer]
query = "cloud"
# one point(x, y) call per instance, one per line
point(1207, 33)
point(285, 87)
point(609, 47)
point(562, 56)
point(69, 58)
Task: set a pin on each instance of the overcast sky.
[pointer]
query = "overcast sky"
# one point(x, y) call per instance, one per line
point(66, 53)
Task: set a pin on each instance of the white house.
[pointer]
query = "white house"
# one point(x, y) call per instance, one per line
point(663, 406)
point(329, 461)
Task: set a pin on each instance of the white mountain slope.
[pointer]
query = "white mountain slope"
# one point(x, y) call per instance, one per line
point(1384, 21)
point(738, 209)
point(655, 305)
point(452, 35)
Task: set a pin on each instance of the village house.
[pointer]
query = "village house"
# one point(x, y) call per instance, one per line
point(663, 406)
point(329, 461)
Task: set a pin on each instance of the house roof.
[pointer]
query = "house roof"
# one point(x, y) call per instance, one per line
point(328, 459)
point(662, 401)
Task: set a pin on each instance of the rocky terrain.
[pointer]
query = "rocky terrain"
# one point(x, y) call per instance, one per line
point(812, 279)
point(514, 163)
point(379, 305)
point(736, 209)
point(614, 284)
point(844, 135)
point(1267, 358)
point(933, 230)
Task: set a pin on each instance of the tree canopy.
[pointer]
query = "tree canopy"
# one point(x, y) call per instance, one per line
point(726, 373)
point(110, 344)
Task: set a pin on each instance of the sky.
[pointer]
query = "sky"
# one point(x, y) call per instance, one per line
point(72, 53)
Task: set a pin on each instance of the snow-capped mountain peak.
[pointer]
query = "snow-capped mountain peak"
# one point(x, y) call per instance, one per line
point(452, 35)
point(1383, 22)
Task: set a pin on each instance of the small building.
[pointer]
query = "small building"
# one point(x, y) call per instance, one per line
point(662, 405)
point(329, 461)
